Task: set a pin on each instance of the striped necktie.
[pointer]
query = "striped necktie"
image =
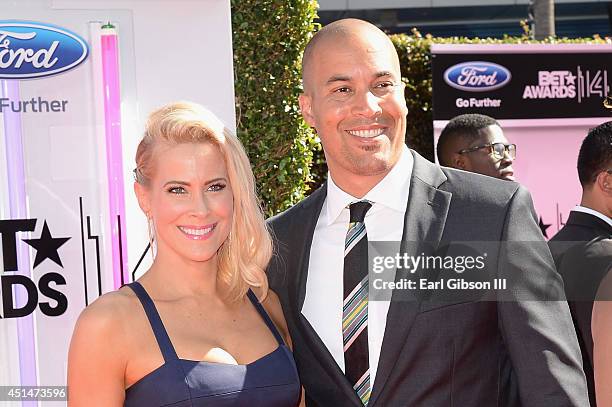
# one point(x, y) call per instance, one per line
point(355, 305)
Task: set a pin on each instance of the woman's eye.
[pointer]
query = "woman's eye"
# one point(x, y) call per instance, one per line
point(216, 187)
point(177, 190)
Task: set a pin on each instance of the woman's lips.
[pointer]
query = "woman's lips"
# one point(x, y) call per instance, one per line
point(198, 232)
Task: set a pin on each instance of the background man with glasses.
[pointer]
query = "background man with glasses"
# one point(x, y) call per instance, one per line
point(476, 143)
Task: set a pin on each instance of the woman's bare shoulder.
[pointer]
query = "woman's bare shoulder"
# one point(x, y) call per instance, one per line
point(109, 313)
point(98, 353)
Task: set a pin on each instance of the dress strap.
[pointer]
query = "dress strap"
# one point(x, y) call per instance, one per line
point(161, 335)
point(265, 316)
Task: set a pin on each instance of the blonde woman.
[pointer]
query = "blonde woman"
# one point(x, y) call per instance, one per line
point(200, 327)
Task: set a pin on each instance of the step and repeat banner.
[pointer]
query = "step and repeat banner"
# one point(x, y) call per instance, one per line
point(69, 124)
point(545, 96)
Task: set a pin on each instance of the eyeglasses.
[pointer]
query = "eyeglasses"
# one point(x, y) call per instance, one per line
point(498, 149)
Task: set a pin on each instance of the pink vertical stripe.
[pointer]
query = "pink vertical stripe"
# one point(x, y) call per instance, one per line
point(114, 157)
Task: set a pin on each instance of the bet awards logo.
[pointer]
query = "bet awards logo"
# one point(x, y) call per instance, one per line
point(581, 85)
point(552, 85)
point(38, 294)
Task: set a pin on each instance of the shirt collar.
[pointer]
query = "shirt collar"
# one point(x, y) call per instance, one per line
point(593, 212)
point(391, 191)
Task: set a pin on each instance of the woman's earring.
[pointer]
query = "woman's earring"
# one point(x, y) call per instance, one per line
point(151, 228)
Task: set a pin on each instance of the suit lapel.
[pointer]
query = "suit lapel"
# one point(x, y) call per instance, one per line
point(307, 221)
point(424, 222)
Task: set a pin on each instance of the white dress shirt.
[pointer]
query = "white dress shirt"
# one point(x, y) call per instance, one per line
point(324, 292)
point(593, 212)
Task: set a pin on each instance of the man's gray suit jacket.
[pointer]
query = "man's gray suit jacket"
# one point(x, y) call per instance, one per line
point(440, 353)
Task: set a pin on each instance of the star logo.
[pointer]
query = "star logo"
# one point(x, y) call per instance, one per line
point(543, 227)
point(46, 246)
point(570, 79)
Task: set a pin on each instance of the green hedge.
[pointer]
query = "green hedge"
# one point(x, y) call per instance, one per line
point(269, 37)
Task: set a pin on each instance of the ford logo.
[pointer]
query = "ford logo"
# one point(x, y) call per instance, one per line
point(477, 76)
point(34, 50)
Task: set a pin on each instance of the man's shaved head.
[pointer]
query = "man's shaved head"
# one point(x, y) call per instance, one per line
point(354, 98)
point(338, 31)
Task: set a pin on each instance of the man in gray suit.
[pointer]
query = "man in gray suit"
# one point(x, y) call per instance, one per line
point(422, 351)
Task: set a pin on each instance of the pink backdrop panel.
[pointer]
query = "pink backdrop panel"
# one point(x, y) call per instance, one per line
point(546, 165)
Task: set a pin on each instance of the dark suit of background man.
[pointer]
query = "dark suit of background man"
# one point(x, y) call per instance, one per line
point(581, 249)
point(468, 354)
point(476, 143)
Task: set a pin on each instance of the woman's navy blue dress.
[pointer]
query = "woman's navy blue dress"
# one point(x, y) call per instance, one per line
point(270, 381)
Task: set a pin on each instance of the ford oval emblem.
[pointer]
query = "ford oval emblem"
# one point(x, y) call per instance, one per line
point(477, 76)
point(34, 50)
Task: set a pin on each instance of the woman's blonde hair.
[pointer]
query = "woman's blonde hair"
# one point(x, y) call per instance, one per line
point(246, 252)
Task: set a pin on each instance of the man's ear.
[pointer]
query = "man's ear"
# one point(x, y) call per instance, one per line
point(142, 194)
point(306, 109)
point(403, 97)
point(459, 161)
point(604, 183)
